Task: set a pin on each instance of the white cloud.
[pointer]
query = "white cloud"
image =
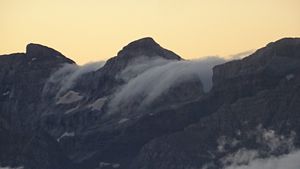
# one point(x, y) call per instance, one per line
point(242, 156)
point(287, 161)
point(65, 78)
point(264, 158)
point(146, 78)
point(140, 65)
point(155, 80)
point(274, 141)
point(241, 55)
point(11, 167)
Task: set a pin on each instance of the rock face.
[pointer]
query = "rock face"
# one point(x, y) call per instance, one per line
point(145, 47)
point(46, 126)
point(22, 77)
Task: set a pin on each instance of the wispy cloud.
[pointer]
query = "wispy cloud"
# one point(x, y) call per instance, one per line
point(241, 55)
point(67, 76)
point(154, 81)
point(287, 161)
point(261, 158)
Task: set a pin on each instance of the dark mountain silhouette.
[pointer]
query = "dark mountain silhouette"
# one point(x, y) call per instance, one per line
point(51, 117)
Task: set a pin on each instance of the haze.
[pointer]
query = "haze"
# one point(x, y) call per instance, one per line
point(93, 30)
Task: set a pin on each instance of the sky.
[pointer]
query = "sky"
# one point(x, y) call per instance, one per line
point(93, 30)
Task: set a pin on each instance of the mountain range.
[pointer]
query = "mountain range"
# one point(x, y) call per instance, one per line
point(148, 108)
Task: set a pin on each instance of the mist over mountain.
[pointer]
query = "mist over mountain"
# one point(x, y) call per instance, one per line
point(148, 108)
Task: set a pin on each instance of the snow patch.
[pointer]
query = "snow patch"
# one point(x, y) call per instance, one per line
point(21, 167)
point(116, 165)
point(123, 120)
point(5, 93)
point(98, 104)
point(69, 97)
point(290, 77)
point(66, 134)
point(105, 164)
point(71, 110)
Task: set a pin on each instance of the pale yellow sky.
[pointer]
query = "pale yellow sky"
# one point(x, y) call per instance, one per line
point(91, 30)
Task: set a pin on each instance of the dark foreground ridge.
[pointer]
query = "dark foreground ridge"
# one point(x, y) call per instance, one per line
point(44, 127)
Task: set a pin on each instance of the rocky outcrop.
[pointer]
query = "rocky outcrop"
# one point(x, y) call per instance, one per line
point(22, 78)
point(145, 48)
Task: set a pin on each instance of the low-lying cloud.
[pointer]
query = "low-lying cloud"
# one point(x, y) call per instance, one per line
point(156, 80)
point(12, 167)
point(287, 161)
point(67, 76)
point(241, 55)
point(262, 158)
point(145, 78)
point(251, 159)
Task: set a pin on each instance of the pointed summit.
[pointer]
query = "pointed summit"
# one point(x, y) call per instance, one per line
point(141, 43)
point(146, 47)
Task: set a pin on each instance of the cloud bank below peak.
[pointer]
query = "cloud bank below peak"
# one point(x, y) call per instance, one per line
point(144, 77)
point(156, 80)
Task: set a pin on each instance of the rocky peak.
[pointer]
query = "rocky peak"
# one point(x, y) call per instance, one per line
point(37, 51)
point(140, 44)
point(146, 47)
point(142, 48)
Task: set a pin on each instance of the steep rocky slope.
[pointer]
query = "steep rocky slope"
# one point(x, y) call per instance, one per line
point(22, 78)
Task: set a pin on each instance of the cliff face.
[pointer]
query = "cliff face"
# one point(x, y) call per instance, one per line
point(50, 118)
point(22, 78)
